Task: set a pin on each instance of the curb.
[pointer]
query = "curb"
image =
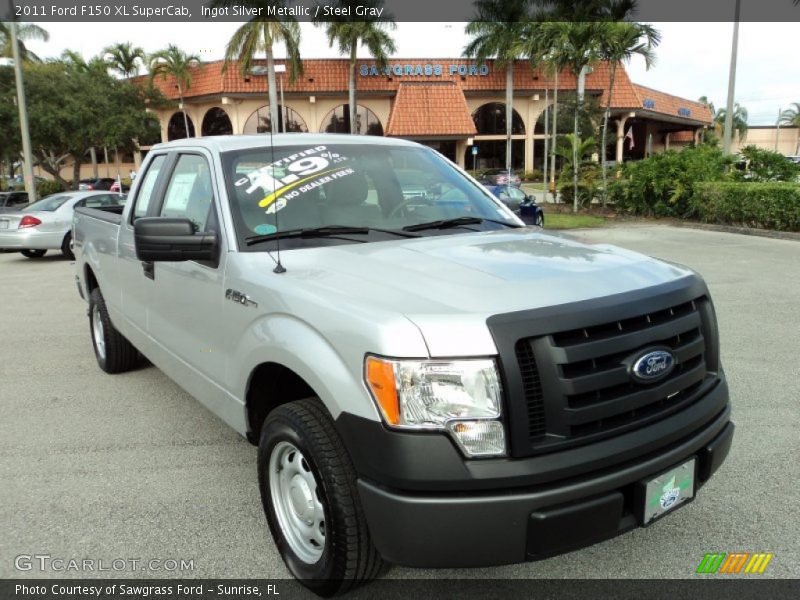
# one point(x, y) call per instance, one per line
point(769, 233)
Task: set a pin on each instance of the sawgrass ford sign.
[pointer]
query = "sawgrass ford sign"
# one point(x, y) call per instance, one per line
point(423, 69)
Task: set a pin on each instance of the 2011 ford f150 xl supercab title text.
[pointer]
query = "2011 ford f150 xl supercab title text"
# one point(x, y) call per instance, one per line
point(429, 382)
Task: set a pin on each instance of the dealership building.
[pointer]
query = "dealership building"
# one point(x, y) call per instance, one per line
point(454, 105)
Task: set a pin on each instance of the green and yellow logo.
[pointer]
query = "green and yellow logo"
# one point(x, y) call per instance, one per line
point(735, 562)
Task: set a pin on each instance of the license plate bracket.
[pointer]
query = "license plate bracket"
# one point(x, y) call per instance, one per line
point(660, 495)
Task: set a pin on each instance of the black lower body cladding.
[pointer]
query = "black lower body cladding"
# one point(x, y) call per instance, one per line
point(426, 506)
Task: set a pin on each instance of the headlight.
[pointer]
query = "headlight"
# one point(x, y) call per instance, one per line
point(461, 397)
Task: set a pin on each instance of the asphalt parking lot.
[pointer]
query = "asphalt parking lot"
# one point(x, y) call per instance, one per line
point(130, 466)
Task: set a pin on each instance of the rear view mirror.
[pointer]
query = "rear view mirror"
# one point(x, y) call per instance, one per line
point(170, 239)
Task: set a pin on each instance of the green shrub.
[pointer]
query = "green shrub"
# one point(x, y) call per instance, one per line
point(535, 175)
point(663, 184)
point(48, 187)
point(766, 165)
point(773, 205)
point(589, 178)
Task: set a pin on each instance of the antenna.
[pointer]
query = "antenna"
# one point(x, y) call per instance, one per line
point(279, 268)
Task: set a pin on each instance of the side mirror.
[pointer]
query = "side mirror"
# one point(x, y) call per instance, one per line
point(170, 239)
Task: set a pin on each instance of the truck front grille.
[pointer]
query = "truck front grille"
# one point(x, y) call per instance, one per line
point(577, 385)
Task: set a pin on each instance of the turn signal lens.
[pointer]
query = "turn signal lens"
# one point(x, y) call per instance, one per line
point(29, 221)
point(380, 378)
point(479, 438)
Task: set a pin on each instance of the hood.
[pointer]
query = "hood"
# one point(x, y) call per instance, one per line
point(456, 281)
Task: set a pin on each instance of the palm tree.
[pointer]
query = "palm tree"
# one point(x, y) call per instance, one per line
point(174, 62)
point(739, 121)
point(25, 31)
point(348, 33)
point(791, 118)
point(124, 58)
point(619, 42)
point(498, 30)
point(260, 34)
point(544, 43)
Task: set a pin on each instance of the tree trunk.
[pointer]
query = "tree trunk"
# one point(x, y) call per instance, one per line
point(55, 172)
point(93, 155)
point(352, 88)
point(509, 114)
point(575, 158)
point(606, 116)
point(272, 88)
point(183, 110)
point(76, 173)
point(554, 140)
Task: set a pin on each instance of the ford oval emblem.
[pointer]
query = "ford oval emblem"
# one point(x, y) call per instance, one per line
point(653, 365)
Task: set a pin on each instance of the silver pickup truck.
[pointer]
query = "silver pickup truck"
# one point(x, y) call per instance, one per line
point(429, 382)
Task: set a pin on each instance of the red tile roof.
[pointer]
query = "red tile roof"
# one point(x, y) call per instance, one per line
point(328, 76)
point(437, 108)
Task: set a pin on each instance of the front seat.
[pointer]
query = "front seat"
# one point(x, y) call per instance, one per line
point(344, 202)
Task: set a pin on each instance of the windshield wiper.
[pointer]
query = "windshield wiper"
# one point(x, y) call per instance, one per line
point(326, 231)
point(456, 222)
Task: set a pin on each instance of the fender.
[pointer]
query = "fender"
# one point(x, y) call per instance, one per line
point(295, 344)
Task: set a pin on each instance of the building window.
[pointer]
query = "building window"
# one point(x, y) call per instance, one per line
point(216, 122)
point(338, 121)
point(490, 119)
point(259, 121)
point(176, 129)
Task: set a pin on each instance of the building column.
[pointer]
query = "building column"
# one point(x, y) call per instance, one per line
point(620, 138)
point(530, 127)
point(461, 149)
point(697, 133)
point(666, 140)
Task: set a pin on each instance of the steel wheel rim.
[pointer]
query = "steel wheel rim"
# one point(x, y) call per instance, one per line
point(97, 333)
point(296, 501)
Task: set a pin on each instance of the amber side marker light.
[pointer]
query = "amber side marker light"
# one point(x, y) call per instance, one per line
point(380, 378)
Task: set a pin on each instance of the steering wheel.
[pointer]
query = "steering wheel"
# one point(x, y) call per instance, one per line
point(403, 204)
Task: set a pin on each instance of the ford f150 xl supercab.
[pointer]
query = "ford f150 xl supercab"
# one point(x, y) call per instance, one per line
point(429, 382)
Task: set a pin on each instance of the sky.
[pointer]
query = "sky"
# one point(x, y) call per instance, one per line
point(692, 61)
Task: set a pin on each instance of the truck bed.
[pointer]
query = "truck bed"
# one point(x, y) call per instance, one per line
point(110, 214)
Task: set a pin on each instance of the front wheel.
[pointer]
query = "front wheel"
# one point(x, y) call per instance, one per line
point(66, 247)
point(114, 353)
point(308, 489)
point(539, 220)
point(33, 253)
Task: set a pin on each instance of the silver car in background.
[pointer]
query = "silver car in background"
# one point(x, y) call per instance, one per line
point(47, 224)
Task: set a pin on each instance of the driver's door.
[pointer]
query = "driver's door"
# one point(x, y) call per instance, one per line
point(185, 310)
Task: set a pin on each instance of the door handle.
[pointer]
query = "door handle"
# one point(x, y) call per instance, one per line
point(149, 269)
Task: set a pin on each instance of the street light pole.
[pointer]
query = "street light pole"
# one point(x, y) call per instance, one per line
point(27, 156)
point(727, 133)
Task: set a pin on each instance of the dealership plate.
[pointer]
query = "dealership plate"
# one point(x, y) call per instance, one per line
point(669, 490)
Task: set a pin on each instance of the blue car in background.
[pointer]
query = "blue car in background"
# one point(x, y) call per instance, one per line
point(521, 203)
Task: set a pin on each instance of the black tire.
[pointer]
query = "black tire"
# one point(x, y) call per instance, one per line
point(66, 247)
point(348, 558)
point(33, 253)
point(118, 354)
point(539, 220)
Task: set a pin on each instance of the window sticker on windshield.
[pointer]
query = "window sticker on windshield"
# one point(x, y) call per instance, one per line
point(265, 229)
point(294, 175)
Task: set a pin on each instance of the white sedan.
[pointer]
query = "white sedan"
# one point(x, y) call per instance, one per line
point(47, 224)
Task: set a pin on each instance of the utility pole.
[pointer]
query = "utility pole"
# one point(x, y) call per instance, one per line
point(727, 134)
point(27, 156)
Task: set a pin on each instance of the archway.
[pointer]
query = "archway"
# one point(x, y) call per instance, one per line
point(338, 121)
point(176, 128)
point(216, 122)
point(259, 121)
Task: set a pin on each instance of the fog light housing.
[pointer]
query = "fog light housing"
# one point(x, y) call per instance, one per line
point(479, 438)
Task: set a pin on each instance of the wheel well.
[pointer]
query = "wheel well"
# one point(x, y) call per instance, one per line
point(91, 281)
point(270, 386)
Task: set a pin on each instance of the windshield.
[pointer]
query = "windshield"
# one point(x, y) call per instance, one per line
point(375, 187)
point(48, 204)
